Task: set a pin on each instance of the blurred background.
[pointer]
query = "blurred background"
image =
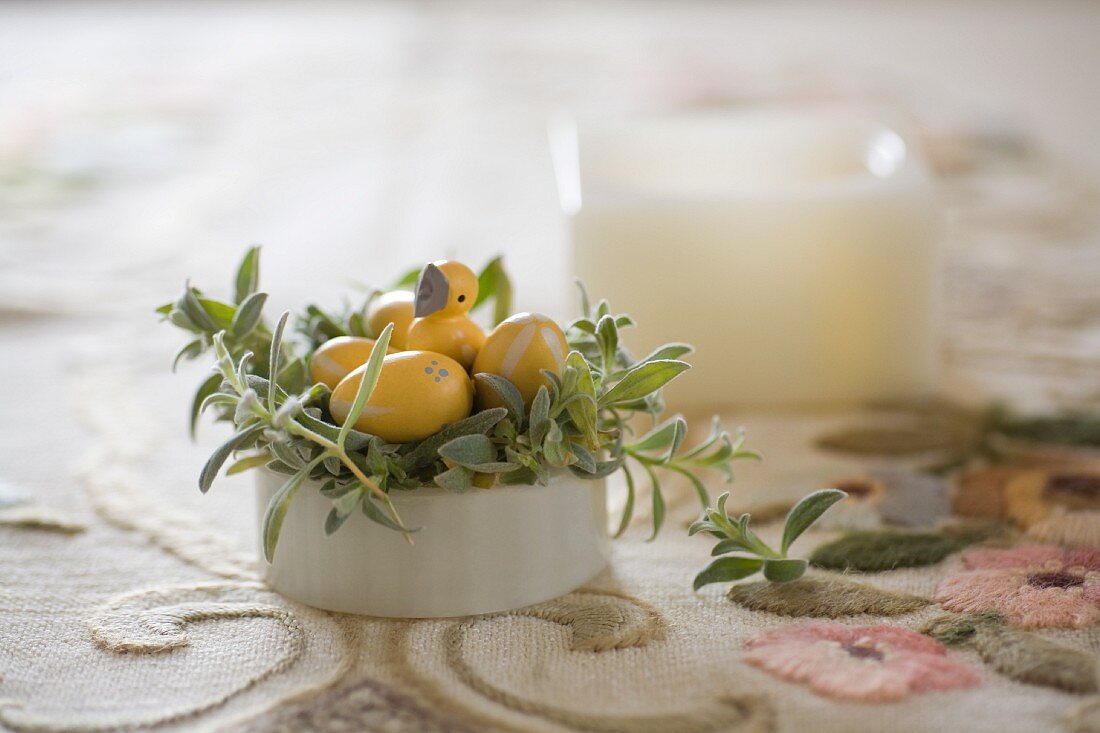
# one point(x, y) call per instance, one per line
point(146, 142)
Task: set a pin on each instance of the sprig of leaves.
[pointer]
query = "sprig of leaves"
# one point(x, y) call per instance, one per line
point(735, 536)
point(579, 420)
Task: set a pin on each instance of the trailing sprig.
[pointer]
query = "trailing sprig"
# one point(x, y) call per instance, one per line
point(735, 536)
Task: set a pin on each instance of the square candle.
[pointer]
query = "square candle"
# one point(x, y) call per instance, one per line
point(797, 251)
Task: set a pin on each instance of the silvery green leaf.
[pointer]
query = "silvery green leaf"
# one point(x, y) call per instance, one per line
point(658, 503)
point(726, 569)
point(458, 479)
point(781, 571)
point(806, 512)
point(356, 326)
point(273, 354)
point(248, 462)
point(371, 371)
point(279, 467)
point(205, 393)
point(469, 450)
point(607, 333)
point(586, 309)
point(584, 414)
point(730, 544)
point(179, 319)
point(191, 307)
point(276, 512)
point(584, 324)
point(659, 438)
point(524, 476)
point(628, 508)
point(643, 380)
point(375, 514)
point(247, 407)
point(554, 448)
point(427, 450)
point(248, 275)
point(668, 351)
point(221, 313)
point(332, 490)
point(287, 455)
point(222, 453)
point(603, 469)
point(583, 458)
point(342, 507)
point(248, 315)
point(188, 351)
point(503, 389)
point(539, 418)
point(700, 489)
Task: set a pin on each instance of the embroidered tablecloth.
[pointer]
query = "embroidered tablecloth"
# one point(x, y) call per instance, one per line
point(149, 143)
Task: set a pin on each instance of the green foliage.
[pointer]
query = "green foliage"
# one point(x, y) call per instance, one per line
point(579, 421)
point(881, 550)
point(735, 535)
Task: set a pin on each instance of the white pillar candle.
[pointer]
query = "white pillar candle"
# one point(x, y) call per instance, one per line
point(796, 251)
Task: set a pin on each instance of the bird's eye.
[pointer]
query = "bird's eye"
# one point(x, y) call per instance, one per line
point(461, 298)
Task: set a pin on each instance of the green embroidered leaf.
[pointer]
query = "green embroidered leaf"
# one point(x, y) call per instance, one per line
point(823, 597)
point(783, 571)
point(890, 441)
point(1019, 655)
point(248, 275)
point(642, 380)
point(726, 569)
point(876, 551)
point(806, 512)
point(505, 390)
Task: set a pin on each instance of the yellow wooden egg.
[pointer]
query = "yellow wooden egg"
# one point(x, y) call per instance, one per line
point(395, 307)
point(418, 393)
point(334, 359)
point(518, 350)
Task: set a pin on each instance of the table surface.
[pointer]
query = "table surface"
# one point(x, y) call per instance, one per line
point(145, 144)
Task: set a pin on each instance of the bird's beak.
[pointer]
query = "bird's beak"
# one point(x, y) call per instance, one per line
point(432, 291)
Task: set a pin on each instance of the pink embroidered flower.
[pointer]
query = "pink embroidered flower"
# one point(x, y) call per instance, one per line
point(861, 663)
point(1032, 587)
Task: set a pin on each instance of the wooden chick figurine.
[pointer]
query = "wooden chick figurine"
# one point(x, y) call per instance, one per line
point(445, 293)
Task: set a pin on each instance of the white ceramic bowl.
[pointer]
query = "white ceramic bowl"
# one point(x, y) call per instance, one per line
point(483, 551)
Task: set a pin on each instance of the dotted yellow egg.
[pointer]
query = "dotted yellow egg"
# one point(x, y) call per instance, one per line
point(519, 349)
point(395, 307)
point(336, 358)
point(418, 393)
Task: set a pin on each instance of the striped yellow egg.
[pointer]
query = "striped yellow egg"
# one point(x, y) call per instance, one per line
point(395, 307)
point(336, 358)
point(418, 393)
point(518, 350)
